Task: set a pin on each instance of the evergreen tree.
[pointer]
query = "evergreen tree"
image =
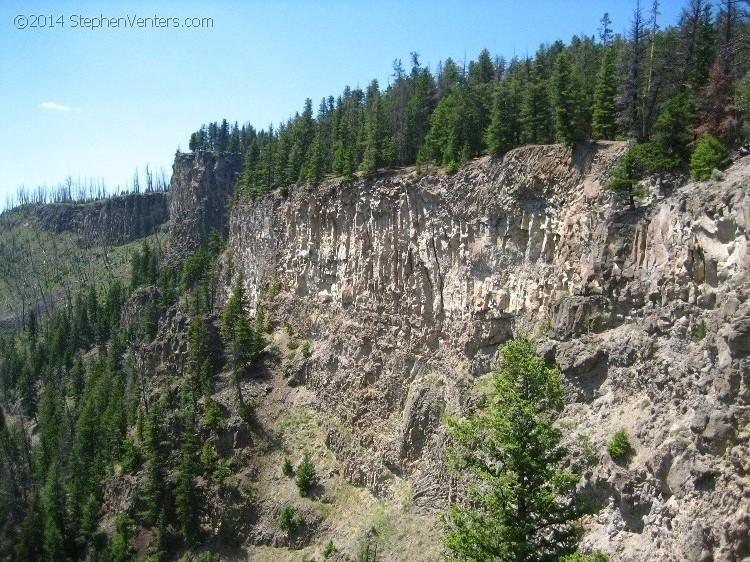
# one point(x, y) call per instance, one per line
point(523, 503)
point(604, 122)
point(156, 455)
point(243, 344)
point(566, 94)
point(502, 133)
point(630, 92)
point(199, 355)
point(31, 536)
point(374, 130)
point(53, 500)
point(535, 108)
point(187, 500)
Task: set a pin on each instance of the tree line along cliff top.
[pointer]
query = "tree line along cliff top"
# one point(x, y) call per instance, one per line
point(666, 87)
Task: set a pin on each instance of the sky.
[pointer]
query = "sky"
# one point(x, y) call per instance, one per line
point(99, 103)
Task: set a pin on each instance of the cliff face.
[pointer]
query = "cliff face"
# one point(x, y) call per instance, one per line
point(201, 187)
point(113, 221)
point(406, 284)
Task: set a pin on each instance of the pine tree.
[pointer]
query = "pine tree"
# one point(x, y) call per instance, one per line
point(604, 121)
point(535, 108)
point(630, 92)
point(501, 134)
point(373, 130)
point(305, 475)
point(566, 95)
point(243, 344)
point(53, 500)
point(30, 541)
point(522, 501)
point(156, 455)
point(187, 500)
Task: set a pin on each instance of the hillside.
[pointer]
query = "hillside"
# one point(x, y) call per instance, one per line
point(381, 302)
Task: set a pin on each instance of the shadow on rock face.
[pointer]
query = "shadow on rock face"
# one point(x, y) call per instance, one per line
point(585, 368)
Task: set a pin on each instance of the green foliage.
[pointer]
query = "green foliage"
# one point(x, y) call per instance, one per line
point(368, 547)
point(244, 343)
point(699, 332)
point(328, 550)
point(604, 118)
point(305, 477)
point(199, 278)
point(273, 288)
point(587, 450)
point(595, 556)
point(673, 125)
point(208, 557)
point(144, 266)
point(156, 453)
point(247, 412)
point(522, 502)
point(119, 547)
point(199, 367)
point(456, 127)
point(306, 349)
point(566, 97)
point(187, 498)
point(208, 459)
point(503, 130)
point(289, 521)
point(638, 162)
point(709, 153)
point(131, 456)
point(619, 446)
point(212, 417)
point(286, 468)
point(220, 474)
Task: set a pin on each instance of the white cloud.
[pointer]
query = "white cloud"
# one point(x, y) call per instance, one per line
point(52, 106)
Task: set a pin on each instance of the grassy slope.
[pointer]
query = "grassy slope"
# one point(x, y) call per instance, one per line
point(39, 268)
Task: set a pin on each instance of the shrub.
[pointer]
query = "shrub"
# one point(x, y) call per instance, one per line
point(247, 412)
point(220, 474)
point(306, 351)
point(641, 160)
point(208, 459)
point(273, 287)
point(595, 556)
point(587, 450)
point(699, 332)
point(306, 476)
point(328, 550)
point(709, 153)
point(288, 520)
point(451, 168)
point(619, 447)
point(286, 468)
point(212, 417)
point(132, 456)
point(292, 344)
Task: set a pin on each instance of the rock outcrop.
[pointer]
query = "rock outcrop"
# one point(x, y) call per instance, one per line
point(113, 221)
point(405, 284)
point(199, 193)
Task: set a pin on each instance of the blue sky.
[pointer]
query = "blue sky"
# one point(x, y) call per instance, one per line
point(97, 103)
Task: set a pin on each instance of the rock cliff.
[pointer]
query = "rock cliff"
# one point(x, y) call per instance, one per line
point(113, 221)
point(200, 189)
point(405, 284)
